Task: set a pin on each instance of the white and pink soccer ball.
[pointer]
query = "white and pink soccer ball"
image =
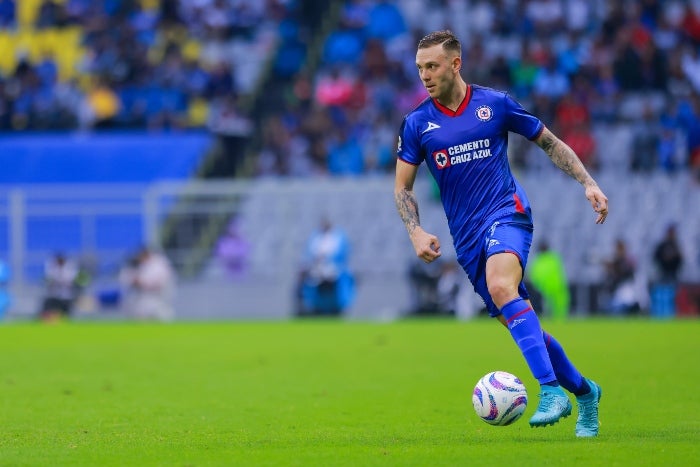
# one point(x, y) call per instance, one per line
point(499, 398)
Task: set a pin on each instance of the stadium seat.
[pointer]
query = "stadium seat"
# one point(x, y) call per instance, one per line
point(7, 58)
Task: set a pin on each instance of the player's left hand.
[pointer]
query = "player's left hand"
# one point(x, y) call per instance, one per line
point(599, 202)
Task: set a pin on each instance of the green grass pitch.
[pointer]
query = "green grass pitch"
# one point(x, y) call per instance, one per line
point(332, 393)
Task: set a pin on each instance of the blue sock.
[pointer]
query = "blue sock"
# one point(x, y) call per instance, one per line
point(567, 374)
point(524, 326)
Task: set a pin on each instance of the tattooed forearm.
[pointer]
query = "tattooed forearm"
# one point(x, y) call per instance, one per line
point(407, 205)
point(564, 157)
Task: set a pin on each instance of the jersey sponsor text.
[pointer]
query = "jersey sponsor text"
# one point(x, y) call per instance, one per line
point(465, 152)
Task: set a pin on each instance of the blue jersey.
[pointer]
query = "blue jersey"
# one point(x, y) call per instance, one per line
point(466, 151)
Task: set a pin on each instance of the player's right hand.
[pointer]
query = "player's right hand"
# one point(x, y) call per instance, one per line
point(427, 245)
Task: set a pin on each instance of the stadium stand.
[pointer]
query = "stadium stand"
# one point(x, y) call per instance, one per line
point(282, 85)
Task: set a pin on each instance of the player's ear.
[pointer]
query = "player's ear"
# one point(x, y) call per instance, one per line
point(457, 64)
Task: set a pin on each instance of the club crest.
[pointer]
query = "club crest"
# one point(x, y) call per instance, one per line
point(484, 113)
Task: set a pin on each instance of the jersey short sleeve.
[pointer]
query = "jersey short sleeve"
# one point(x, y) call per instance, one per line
point(409, 148)
point(519, 120)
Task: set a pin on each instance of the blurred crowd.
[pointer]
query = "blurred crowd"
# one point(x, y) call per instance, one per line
point(176, 64)
point(571, 62)
point(137, 64)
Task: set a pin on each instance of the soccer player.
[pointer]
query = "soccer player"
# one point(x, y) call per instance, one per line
point(461, 133)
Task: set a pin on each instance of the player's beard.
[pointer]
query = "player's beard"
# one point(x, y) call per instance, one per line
point(444, 90)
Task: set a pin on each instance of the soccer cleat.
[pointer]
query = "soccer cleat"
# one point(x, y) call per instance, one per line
point(554, 405)
point(587, 422)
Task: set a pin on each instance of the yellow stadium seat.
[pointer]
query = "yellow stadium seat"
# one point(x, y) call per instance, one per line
point(8, 60)
point(23, 43)
point(197, 113)
point(27, 12)
point(191, 49)
point(70, 35)
point(68, 61)
point(150, 4)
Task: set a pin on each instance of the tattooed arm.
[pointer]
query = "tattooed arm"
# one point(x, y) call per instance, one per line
point(566, 159)
point(427, 246)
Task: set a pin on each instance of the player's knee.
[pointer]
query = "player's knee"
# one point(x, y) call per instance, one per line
point(502, 291)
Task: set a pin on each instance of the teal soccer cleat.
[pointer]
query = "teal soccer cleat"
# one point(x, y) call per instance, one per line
point(587, 422)
point(554, 405)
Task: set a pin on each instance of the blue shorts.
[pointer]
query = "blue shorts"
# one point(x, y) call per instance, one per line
point(501, 237)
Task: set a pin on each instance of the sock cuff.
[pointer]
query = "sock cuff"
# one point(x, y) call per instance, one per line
point(515, 308)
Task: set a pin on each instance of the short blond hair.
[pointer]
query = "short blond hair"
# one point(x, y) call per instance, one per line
point(449, 41)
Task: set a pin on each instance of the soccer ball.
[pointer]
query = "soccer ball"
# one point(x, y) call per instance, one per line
point(499, 398)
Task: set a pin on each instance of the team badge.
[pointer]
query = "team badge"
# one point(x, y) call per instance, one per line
point(441, 159)
point(484, 113)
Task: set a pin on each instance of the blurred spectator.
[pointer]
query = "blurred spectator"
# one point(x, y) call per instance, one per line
point(149, 283)
point(423, 279)
point(291, 53)
point(605, 101)
point(628, 64)
point(380, 146)
point(690, 64)
point(441, 288)
point(571, 113)
point(449, 286)
point(345, 155)
point(666, 150)
point(548, 276)
point(668, 260)
point(386, 21)
point(60, 274)
point(355, 14)
point(689, 120)
point(547, 16)
point(499, 75)
point(668, 257)
point(104, 104)
point(51, 14)
point(580, 138)
point(232, 129)
point(620, 281)
point(646, 140)
point(550, 81)
point(326, 284)
point(233, 251)
point(525, 67)
point(85, 301)
point(343, 47)
point(334, 89)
